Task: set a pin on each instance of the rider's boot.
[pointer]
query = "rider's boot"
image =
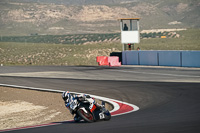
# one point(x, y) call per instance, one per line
point(77, 118)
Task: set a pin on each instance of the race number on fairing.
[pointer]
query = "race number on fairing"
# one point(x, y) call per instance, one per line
point(101, 116)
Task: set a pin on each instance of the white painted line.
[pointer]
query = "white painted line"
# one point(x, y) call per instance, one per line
point(31, 88)
point(111, 101)
point(161, 74)
point(115, 105)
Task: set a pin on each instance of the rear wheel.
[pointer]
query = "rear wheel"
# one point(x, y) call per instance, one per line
point(86, 116)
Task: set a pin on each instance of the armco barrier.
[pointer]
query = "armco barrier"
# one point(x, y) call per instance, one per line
point(162, 58)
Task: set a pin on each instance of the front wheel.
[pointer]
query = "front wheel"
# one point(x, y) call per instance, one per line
point(85, 114)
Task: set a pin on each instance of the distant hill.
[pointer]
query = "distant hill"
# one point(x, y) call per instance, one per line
point(26, 17)
point(78, 2)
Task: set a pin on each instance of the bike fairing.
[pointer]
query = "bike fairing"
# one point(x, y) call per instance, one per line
point(71, 102)
point(98, 111)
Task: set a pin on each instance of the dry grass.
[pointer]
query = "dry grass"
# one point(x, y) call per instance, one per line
point(53, 54)
point(61, 54)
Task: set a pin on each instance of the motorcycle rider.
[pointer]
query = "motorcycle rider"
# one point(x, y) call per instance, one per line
point(70, 100)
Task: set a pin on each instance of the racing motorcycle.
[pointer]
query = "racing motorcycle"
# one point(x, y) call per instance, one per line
point(83, 111)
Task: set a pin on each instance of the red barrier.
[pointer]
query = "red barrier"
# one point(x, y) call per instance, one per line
point(108, 61)
point(114, 61)
point(102, 60)
point(98, 58)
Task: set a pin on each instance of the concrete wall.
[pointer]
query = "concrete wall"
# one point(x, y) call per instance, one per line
point(130, 58)
point(148, 58)
point(169, 58)
point(191, 58)
point(162, 58)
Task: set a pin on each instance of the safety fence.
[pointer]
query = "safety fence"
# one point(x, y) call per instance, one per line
point(162, 58)
point(108, 61)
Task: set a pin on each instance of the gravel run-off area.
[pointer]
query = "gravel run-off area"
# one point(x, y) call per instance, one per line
point(23, 107)
point(20, 107)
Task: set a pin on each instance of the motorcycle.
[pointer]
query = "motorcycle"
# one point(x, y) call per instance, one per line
point(83, 111)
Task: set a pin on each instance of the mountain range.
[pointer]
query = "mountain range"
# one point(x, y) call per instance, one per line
point(57, 17)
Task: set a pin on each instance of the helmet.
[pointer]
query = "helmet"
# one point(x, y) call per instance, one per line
point(65, 96)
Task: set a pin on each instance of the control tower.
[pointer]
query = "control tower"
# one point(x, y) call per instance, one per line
point(129, 32)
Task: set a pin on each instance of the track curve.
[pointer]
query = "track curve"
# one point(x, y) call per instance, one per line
point(165, 105)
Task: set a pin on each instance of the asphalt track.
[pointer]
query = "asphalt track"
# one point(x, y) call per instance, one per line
point(168, 98)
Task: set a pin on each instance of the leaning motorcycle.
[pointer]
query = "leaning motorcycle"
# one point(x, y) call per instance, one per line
point(82, 111)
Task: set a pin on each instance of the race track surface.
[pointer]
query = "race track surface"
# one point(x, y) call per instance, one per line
point(168, 98)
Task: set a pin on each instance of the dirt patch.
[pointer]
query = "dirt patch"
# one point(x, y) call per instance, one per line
point(19, 107)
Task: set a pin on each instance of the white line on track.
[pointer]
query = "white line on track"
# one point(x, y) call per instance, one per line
point(115, 105)
point(111, 101)
point(161, 74)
